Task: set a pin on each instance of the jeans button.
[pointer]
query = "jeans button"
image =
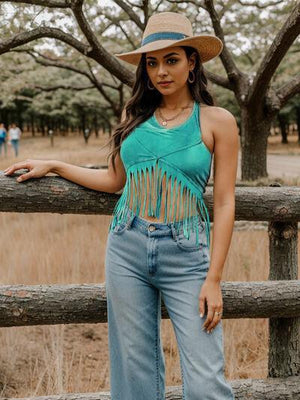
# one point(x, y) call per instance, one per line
point(151, 228)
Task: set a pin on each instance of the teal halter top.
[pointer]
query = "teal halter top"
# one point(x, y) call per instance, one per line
point(179, 153)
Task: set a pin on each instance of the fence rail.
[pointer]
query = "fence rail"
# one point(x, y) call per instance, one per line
point(57, 195)
point(22, 305)
point(277, 299)
point(250, 389)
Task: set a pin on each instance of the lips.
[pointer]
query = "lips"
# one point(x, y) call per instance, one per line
point(164, 83)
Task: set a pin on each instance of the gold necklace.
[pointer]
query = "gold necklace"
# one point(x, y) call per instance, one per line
point(166, 120)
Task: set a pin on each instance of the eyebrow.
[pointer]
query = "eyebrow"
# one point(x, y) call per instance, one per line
point(167, 55)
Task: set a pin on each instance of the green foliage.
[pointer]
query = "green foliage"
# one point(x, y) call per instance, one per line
point(249, 32)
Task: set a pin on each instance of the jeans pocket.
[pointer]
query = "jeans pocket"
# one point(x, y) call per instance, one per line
point(119, 228)
point(190, 244)
point(123, 225)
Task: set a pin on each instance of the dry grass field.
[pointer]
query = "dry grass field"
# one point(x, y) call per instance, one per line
point(52, 248)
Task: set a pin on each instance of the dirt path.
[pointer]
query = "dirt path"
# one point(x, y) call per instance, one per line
point(279, 166)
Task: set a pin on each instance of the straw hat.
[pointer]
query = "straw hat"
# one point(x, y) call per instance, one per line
point(170, 29)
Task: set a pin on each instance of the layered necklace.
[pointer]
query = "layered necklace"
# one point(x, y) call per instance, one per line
point(166, 120)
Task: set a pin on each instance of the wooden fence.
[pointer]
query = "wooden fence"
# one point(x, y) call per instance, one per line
point(277, 299)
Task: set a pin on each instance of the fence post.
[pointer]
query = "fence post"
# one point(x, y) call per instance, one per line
point(284, 333)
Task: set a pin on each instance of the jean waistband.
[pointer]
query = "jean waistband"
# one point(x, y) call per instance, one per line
point(156, 228)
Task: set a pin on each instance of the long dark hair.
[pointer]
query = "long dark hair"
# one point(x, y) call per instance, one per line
point(144, 101)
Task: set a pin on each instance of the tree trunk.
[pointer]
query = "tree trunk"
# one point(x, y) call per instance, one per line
point(284, 333)
point(96, 126)
point(283, 123)
point(32, 124)
point(43, 130)
point(82, 121)
point(254, 140)
point(298, 122)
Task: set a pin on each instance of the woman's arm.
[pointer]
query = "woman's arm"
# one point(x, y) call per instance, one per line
point(226, 144)
point(104, 180)
point(225, 170)
point(101, 180)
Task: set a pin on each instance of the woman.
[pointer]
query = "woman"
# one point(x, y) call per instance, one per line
point(14, 134)
point(158, 242)
point(3, 135)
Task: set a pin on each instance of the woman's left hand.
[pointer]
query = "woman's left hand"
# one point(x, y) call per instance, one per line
point(211, 292)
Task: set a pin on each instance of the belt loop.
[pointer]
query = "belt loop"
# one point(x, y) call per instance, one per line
point(173, 229)
point(130, 220)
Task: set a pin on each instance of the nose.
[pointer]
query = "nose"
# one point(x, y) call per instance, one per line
point(162, 70)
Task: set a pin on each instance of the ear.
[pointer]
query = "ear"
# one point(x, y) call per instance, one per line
point(192, 60)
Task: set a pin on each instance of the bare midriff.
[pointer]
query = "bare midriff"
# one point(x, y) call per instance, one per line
point(151, 196)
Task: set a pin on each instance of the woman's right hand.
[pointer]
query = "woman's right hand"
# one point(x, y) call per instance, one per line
point(37, 169)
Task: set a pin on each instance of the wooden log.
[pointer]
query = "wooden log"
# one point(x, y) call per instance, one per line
point(52, 194)
point(22, 305)
point(284, 333)
point(244, 389)
point(57, 195)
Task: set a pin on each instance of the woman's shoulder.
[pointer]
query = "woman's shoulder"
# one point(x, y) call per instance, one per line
point(219, 120)
point(218, 114)
point(218, 111)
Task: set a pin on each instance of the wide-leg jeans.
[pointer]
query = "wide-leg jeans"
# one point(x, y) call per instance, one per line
point(147, 263)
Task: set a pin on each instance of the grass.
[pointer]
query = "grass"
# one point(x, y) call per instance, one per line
point(51, 248)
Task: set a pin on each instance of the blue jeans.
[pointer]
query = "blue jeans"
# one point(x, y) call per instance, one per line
point(15, 144)
point(145, 263)
point(3, 143)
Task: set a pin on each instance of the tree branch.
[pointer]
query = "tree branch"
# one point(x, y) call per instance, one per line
point(116, 22)
point(133, 16)
point(99, 86)
point(25, 37)
point(258, 5)
point(96, 79)
point(218, 80)
point(288, 90)
point(98, 52)
point(281, 44)
point(84, 24)
point(48, 62)
point(44, 3)
point(66, 87)
point(232, 70)
point(100, 55)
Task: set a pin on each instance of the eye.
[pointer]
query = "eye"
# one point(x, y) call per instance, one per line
point(172, 59)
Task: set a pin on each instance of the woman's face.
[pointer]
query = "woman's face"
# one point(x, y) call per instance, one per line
point(171, 65)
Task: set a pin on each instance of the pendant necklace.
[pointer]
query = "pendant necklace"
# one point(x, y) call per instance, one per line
point(166, 120)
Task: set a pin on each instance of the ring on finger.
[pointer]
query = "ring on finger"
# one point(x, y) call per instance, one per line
point(218, 313)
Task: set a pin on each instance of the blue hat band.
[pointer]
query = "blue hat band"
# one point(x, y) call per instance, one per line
point(163, 36)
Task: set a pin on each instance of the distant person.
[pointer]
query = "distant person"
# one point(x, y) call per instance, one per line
point(3, 138)
point(14, 137)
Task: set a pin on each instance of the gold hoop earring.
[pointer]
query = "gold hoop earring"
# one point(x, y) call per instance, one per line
point(149, 87)
point(189, 80)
